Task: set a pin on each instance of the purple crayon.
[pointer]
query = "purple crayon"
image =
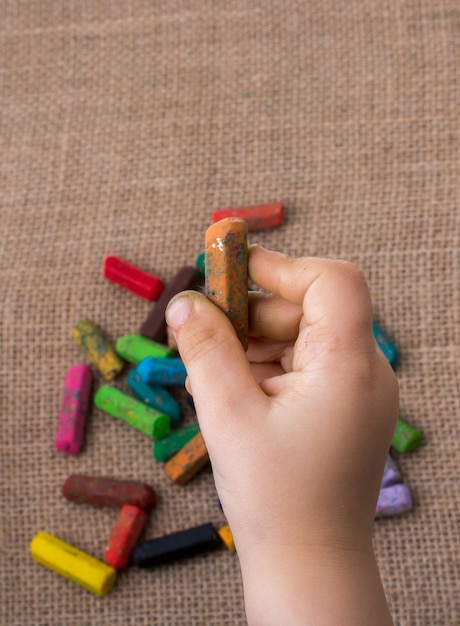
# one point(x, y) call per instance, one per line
point(391, 473)
point(393, 500)
point(74, 407)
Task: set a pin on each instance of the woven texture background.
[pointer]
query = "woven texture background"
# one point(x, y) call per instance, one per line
point(122, 126)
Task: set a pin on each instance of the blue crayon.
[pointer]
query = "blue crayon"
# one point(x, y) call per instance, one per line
point(154, 396)
point(162, 371)
point(386, 346)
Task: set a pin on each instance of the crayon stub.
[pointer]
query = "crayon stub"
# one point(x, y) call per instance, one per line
point(125, 534)
point(165, 448)
point(391, 473)
point(188, 461)
point(385, 344)
point(72, 563)
point(134, 348)
point(257, 217)
point(406, 438)
point(226, 535)
point(393, 500)
point(98, 350)
point(134, 412)
point(132, 278)
point(170, 371)
point(101, 491)
point(155, 396)
point(154, 327)
point(185, 543)
point(74, 407)
point(227, 272)
point(200, 260)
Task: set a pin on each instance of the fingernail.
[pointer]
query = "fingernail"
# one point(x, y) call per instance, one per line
point(178, 311)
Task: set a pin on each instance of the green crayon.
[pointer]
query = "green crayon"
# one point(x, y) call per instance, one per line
point(135, 413)
point(135, 348)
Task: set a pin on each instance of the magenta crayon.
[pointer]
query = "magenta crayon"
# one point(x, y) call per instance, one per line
point(74, 408)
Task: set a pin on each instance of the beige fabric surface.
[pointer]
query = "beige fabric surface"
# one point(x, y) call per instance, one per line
point(122, 126)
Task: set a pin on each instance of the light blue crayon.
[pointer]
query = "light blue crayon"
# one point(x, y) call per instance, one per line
point(162, 371)
point(154, 396)
point(386, 346)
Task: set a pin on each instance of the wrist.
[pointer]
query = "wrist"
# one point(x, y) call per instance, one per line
point(318, 585)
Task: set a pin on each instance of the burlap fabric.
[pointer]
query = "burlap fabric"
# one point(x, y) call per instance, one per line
point(122, 125)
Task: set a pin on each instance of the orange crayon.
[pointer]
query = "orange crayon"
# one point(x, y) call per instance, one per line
point(226, 271)
point(188, 461)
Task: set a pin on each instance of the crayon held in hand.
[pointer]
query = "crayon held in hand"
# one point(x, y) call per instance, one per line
point(226, 269)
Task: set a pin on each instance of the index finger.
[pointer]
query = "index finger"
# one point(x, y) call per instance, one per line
point(333, 293)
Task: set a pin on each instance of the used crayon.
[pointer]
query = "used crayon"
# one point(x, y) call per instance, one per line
point(132, 411)
point(103, 491)
point(72, 563)
point(74, 407)
point(154, 327)
point(226, 269)
point(185, 543)
point(188, 461)
point(132, 278)
point(257, 217)
point(98, 350)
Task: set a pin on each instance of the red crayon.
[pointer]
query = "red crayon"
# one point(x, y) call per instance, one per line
point(125, 534)
point(132, 278)
point(257, 217)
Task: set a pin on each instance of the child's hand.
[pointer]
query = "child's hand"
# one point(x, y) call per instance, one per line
point(298, 429)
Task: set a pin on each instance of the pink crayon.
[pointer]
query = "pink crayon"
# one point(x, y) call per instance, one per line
point(74, 407)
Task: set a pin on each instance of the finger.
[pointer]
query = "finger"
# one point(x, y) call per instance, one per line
point(264, 371)
point(273, 317)
point(261, 350)
point(334, 294)
point(218, 371)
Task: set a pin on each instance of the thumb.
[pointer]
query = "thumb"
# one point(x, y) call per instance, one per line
point(217, 367)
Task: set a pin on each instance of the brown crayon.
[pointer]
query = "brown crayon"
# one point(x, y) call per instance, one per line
point(226, 271)
point(154, 327)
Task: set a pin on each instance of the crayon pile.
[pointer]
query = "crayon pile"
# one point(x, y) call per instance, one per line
point(153, 410)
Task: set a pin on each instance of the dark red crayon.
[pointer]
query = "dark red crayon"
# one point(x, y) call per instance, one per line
point(154, 327)
point(108, 492)
point(132, 278)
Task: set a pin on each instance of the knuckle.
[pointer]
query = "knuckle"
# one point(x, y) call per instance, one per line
point(199, 344)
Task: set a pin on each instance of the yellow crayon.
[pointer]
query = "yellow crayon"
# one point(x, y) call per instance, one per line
point(99, 351)
point(227, 537)
point(72, 563)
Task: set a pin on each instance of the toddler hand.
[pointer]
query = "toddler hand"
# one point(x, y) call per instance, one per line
point(298, 429)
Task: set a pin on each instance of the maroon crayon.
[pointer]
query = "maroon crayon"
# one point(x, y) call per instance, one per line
point(154, 327)
point(102, 491)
